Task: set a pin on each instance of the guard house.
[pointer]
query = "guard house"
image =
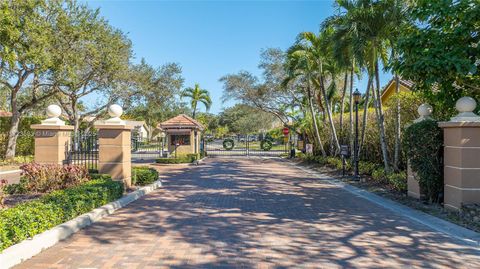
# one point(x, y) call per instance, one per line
point(183, 135)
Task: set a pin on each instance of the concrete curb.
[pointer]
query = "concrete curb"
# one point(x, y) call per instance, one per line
point(10, 171)
point(465, 235)
point(33, 246)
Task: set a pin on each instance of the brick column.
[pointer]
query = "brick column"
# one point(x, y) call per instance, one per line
point(114, 156)
point(461, 163)
point(52, 137)
point(51, 143)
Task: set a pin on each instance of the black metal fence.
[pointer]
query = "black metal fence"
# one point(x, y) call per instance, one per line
point(244, 145)
point(147, 149)
point(83, 150)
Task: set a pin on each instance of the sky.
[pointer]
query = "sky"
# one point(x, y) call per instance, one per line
point(210, 39)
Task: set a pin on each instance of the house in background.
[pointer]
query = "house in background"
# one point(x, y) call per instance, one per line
point(5, 114)
point(391, 88)
point(139, 128)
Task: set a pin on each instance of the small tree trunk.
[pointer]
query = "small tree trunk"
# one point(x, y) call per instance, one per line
point(314, 119)
point(351, 108)
point(396, 156)
point(13, 135)
point(381, 121)
point(329, 112)
point(365, 114)
point(342, 106)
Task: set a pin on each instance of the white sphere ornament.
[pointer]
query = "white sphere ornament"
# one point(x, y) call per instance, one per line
point(54, 111)
point(115, 111)
point(424, 110)
point(465, 106)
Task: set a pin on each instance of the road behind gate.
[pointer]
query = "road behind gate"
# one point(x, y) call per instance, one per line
point(254, 213)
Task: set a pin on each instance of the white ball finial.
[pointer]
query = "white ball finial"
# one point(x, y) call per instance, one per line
point(465, 106)
point(425, 110)
point(54, 111)
point(115, 111)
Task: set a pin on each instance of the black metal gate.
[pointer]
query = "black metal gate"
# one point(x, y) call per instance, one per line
point(244, 145)
point(147, 150)
point(83, 150)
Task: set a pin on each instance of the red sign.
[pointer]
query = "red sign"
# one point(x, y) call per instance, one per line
point(286, 131)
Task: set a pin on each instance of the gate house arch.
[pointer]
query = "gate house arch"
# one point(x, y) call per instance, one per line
point(183, 135)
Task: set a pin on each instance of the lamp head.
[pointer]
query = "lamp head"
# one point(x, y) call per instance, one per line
point(357, 96)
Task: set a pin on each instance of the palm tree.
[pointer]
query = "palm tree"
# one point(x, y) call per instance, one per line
point(300, 70)
point(196, 95)
point(366, 24)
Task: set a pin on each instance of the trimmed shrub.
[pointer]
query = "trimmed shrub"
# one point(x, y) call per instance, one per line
point(30, 218)
point(423, 144)
point(43, 178)
point(143, 175)
point(174, 160)
point(398, 181)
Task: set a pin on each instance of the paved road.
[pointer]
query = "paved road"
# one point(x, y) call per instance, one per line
point(254, 213)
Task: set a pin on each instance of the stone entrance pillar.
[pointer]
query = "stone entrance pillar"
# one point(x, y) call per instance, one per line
point(52, 137)
point(114, 142)
point(462, 156)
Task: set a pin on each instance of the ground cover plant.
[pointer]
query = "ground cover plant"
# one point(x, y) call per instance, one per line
point(33, 217)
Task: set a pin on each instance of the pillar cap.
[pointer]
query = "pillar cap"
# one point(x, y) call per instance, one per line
point(115, 111)
point(459, 124)
point(52, 127)
point(106, 125)
point(53, 112)
point(424, 110)
point(465, 106)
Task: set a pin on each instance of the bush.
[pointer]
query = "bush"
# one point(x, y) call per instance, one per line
point(25, 140)
point(398, 181)
point(3, 183)
point(143, 175)
point(423, 144)
point(44, 178)
point(28, 219)
point(174, 160)
point(378, 174)
point(366, 168)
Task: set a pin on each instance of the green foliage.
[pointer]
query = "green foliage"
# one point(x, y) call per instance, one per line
point(423, 144)
point(266, 144)
point(196, 95)
point(244, 119)
point(439, 48)
point(25, 141)
point(28, 219)
point(143, 175)
point(179, 159)
point(398, 181)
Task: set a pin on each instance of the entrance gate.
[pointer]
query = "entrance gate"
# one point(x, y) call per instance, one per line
point(147, 150)
point(244, 145)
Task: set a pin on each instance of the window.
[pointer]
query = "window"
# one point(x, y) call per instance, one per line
point(180, 140)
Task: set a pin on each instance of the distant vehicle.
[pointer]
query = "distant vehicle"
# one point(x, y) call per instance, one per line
point(252, 138)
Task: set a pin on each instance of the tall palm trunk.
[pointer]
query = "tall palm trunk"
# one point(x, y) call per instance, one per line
point(396, 156)
point(194, 106)
point(329, 111)
point(381, 120)
point(342, 106)
point(351, 107)
point(314, 119)
point(365, 114)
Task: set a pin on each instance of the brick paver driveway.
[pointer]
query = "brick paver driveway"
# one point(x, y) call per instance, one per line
point(254, 213)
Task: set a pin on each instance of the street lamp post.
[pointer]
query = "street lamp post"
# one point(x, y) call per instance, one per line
point(356, 97)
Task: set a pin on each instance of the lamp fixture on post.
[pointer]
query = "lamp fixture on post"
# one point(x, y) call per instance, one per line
point(356, 97)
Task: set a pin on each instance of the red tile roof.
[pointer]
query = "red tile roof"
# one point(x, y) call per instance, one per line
point(5, 113)
point(181, 121)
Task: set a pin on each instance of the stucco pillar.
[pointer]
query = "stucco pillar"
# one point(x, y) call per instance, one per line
point(52, 137)
point(413, 186)
point(462, 156)
point(114, 142)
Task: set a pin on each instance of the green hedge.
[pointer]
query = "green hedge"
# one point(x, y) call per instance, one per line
point(397, 181)
point(189, 158)
point(143, 175)
point(30, 218)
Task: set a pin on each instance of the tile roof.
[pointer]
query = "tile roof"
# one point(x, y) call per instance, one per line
point(181, 121)
point(5, 113)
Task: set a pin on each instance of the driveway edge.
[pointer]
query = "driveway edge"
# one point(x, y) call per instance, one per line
point(28, 248)
point(465, 235)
